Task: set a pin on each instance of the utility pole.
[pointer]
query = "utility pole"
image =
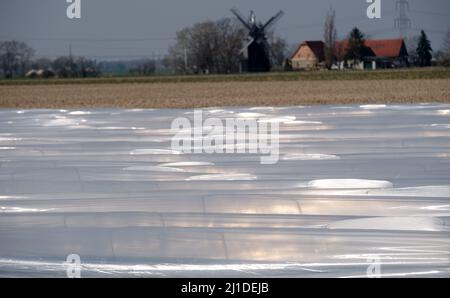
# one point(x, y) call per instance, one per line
point(71, 60)
point(70, 52)
point(185, 60)
point(402, 22)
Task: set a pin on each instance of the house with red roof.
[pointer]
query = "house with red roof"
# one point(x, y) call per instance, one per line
point(377, 53)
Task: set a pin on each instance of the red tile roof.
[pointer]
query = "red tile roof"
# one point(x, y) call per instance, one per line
point(386, 47)
point(390, 48)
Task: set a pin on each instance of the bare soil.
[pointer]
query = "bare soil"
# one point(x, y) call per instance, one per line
point(234, 93)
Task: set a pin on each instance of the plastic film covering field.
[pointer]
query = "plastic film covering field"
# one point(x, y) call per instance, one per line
point(353, 184)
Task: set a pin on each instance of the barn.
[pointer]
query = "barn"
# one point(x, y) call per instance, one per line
point(309, 55)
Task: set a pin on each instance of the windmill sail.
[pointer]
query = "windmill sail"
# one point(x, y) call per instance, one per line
point(273, 20)
point(241, 18)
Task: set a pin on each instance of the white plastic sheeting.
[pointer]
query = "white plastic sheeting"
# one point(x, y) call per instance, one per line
point(354, 184)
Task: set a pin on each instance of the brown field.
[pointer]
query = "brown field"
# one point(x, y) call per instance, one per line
point(233, 93)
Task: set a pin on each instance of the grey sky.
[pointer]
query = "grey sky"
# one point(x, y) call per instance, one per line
point(117, 29)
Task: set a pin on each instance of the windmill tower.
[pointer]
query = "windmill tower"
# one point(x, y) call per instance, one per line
point(256, 51)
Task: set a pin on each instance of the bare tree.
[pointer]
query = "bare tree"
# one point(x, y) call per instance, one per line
point(8, 57)
point(411, 46)
point(278, 49)
point(25, 54)
point(443, 55)
point(177, 59)
point(63, 66)
point(14, 57)
point(446, 46)
point(330, 35)
point(207, 47)
point(229, 47)
point(197, 49)
point(41, 63)
point(143, 67)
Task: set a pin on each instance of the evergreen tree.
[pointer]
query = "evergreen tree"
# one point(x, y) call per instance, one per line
point(355, 49)
point(424, 50)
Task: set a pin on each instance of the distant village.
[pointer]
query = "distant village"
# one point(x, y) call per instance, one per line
point(378, 54)
point(235, 45)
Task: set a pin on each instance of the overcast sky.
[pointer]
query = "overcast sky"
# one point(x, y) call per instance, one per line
point(123, 29)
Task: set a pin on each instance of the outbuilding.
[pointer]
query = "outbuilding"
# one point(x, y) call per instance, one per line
point(308, 56)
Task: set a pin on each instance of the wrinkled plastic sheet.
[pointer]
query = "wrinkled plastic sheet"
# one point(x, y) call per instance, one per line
point(354, 184)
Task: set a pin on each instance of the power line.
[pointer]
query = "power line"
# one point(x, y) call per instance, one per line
point(380, 31)
point(430, 30)
point(321, 24)
point(65, 39)
point(431, 13)
point(103, 56)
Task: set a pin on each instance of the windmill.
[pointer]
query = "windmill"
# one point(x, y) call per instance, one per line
point(256, 51)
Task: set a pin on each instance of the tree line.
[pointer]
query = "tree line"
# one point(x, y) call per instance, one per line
point(15, 57)
point(215, 47)
point(207, 47)
point(16, 60)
